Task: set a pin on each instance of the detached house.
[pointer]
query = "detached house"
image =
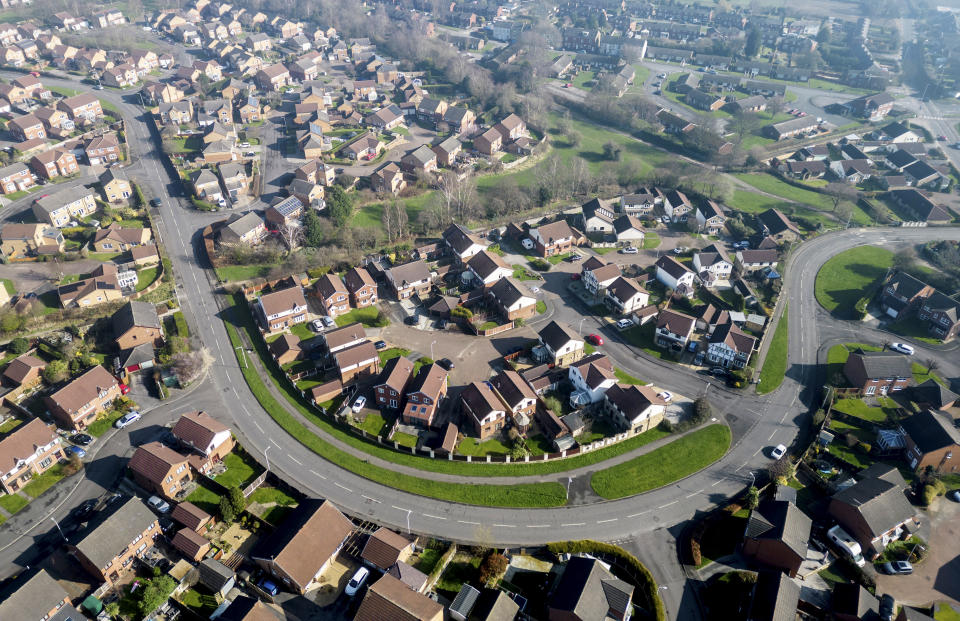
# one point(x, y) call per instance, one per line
point(878, 372)
point(512, 299)
point(102, 149)
point(28, 451)
point(674, 329)
point(730, 347)
point(333, 295)
point(409, 279)
point(903, 293)
point(772, 223)
point(357, 361)
point(54, 163)
point(675, 275)
point(61, 207)
point(711, 264)
point(710, 218)
point(388, 178)
point(634, 408)
point(552, 239)
point(518, 396)
point(597, 275)
point(108, 549)
point(677, 206)
point(273, 77)
point(204, 434)
point(82, 400)
point(392, 383)
point(281, 309)
point(136, 323)
point(875, 510)
point(588, 590)
point(626, 295)
point(480, 406)
point(424, 394)
point(932, 440)
point(160, 470)
point(559, 344)
point(462, 243)
point(591, 377)
point(942, 314)
point(488, 268)
point(777, 535)
point(362, 288)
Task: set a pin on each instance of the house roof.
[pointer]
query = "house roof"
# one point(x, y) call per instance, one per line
point(83, 389)
point(734, 338)
point(775, 597)
point(21, 366)
point(781, 520)
point(588, 590)
point(355, 354)
point(465, 600)
point(672, 267)
point(198, 428)
point(282, 301)
point(509, 291)
point(677, 323)
point(190, 515)
point(329, 285)
point(555, 335)
point(241, 225)
point(851, 599)
point(879, 498)
point(775, 222)
point(358, 278)
point(931, 430)
point(389, 598)
point(882, 364)
point(625, 223)
point(748, 257)
point(154, 461)
point(495, 605)
point(906, 285)
point(555, 231)
point(52, 202)
point(135, 314)
point(111, 535)
point(189, 541)
point(384, 547)
point(287, 342)
point(309, 537)
point(35, 597)
point(409, 273)
point(712, 315)
point(485, 264)
point(396, 373)
point(605, 273)
point(429, 380)
point(459, 238)
point(24, 442)
point(213, 574)
point(338, 337)
point(595, 369)
point(409, 575)
point(930, 392)
point(480, 399)
point(632, 400)
point(512, 388)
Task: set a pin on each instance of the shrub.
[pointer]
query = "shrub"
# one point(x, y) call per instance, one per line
point(865, 447)
point(753, 498)
point(237, 500)
point(226, 509)
point(818, 417)
point(492, 567)
point(19, 345)
point(461, 312)
point(540, 265)
point(317, 272)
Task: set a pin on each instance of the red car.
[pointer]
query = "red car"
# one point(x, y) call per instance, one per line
point(574, 276)
point(595, 339)
point(124, 389)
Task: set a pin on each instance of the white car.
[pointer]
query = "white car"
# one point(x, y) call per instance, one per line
point(534, 290)
point(903, 348)
point(158, 504)
point(357, 581)
point(623, 324)
point(359, 403)
point(629, 250)
point(127, 419)
point(317, 325)
point(666, 396)
point(527, 243)
point(678, 250)
point(244, 145)
point(778, 451)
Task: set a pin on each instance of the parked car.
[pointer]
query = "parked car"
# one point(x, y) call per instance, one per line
point(678, 250)
point(623, 324)
point(411, 320)
point(887, 607)
point(573, 258)
point(158, 504)
point(718, 372)
point(380, 344)
point(903, 348)
point(127, 419)
point(268, 587)
point(124, 389)
point(82, 439)
point(75, 450)
point(156, 202)
point(665, 219)
point(84, 510)
point(357, 581)
point(629, 250)
point(698, 359)
point(527, 243)
point(954, 495)
point(596, 339)
point(328, 321)
point(359, 403)
point(446, 363)
point(666, 396)
point(897, 567)
point(316, 325)
point(778, 451)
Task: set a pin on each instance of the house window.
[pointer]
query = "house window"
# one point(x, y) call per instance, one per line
point(871, 390)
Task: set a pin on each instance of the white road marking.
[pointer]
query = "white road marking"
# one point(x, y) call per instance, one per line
point(466, 522)
point(605, 521)
point(370, 499)
point(668, 504)
point(297, 461)
point(400, 508)
point(436, 517)
point(274, 442)
point(318, 474)
point(772, 433)
point(757, 451)
point(505, 525)
point(538, 526)
point(694, 494)
point(575, 524)
point(638, 514)
point(343, 487)
point(716, 483)
point(743, 464)
point(258, 426)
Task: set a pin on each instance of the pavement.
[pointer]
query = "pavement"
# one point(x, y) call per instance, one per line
point(757, 421)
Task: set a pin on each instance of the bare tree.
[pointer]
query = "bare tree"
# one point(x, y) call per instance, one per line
point(190, 365)
point(931, 364)
point(839, 192)
point(394, 219)
point(292, 235)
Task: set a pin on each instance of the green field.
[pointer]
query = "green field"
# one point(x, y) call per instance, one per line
point(849, 276)
point(667, 464)
point(775, 364)
point(820, 205)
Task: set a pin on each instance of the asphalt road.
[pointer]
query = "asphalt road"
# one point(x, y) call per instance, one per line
point(758, 422)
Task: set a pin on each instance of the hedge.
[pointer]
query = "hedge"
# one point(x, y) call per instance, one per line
point(646, 584)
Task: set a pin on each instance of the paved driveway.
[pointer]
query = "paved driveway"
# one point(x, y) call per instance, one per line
point(938, 577)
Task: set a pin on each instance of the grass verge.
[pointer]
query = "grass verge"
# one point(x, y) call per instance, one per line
point(775, 364)
point(849, 276)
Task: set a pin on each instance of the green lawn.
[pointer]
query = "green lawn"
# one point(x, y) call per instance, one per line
point(849, 276)
point(206, 499)
point(267, 495)
point(237, 273)
point(41, 483)
point(13, 503)
point(522, 273)
point(374, 424)
point(202, 604)
point(10, 424)
point(650, 240)
point(852, 456)
point(667, 464)
point(642, 337)
point(393, 352)
point(912, 327)
point(922, 374)
point(405, 439)
point(625, 378)
point(462, 569)
point(103, 424)
point(541, 307)
point(470, 446)
point(721, 537)
point(8, 285)
point(775, 364)
point(301, 331)
point(582, 78)
point(366, 315)
point(946, 612)
point(145, 277)
point(240, 472)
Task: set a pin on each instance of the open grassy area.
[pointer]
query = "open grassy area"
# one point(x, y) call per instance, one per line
point(393, 352)
point(946, 612)
point(775, 364)
point(374, 424)
point(921, 374)
point(9, 286)
point(651, 240)
point(493, 446)
point(663, 466)
point(266, 495)
point(238, 273)
point(206, 499)
point(240, 471)
point(41, 483)
point(849, 276)
point(642, 337)
point(103, 424)
point(625, 378)
point(366, 315)
point(12, 503)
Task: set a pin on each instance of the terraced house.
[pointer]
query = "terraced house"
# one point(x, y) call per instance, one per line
point(15, 178)
point(28, 451)
point(78, 404)
point(107, 550)
point(61, 207)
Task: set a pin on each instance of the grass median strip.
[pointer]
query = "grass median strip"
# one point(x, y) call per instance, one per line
point(665, 465)
point(480, 469)
point(775, 364)
point(521, 495)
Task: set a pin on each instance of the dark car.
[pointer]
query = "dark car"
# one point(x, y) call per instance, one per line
point(411, 320)
point(446, 363)
point(84, 510)
point(82, 439)
point(887, 606)
point(156, 202)
point(166, 524)
point(718, 372)
point(573, 258)
point(268, 587)
point(380, 344)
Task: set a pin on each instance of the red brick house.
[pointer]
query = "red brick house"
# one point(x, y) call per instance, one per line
point(333, 295)
point(362, 288)
point(424, 394)
point(878, 372)
point(777, 534)
point(160, 469)
point(392, 383)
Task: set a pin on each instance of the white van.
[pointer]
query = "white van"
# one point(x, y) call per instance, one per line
point(847, 544)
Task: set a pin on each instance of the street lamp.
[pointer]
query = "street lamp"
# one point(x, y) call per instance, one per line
point(753, 478)
point(267, 457)
point(54, 520)
point(408, 520)
point(431, 349)
point(580, 328)
point(243, 357)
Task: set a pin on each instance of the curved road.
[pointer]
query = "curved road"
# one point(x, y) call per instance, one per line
point(758, 422)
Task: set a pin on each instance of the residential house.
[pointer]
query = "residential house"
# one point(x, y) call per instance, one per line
point(54, 163)
point(591, 378)
point(160, 470)
point(81, 107)
point(851, 602)
point(258, 42)
point(852, 171)
point(333, 294)
point(931, 394)
point(344, 337)
point(26, 127)
point(191, 544)
point(489, 142)
point(385, 118)
point(552, 239)
point(392, 383)
point(642, 203)
point(674, 329)
point(588, 590)
point(206, 185)
point(777, 535)
point(190, 515)
point(200, 432)
point(29, 239)
point(730, 347)
point(175, 112)
point(676, 206)
point(364, 148)
point(511, 128)
point(772, 223)
point(115, 185)
point(157, 92)
point(55, 122)
point(898, 133)
point(63, 206)
point(38, 598)
point(462, 243)
point(626, 295)
point(28, 451)
point(431, 110)
point(388, 178)
point(23, 371)
point(877, 372)
point(920, 208)
point(752, 260)
point(421, 159)
point(487, 268)
point(519, 398)
point(357, 361)
point(233, 177)
point(409, 279)
point(80, 401)
point(875, 510)
point(559, 344)
point(942, 315)
point(15, 178)
point(597, 275)
point(281, 309)
point(286, 212)
point(932, 440)
point(675, 275)
point(103, 149)
point(273, 77)
point(246, 229)
point(308, 543)
point(903, 293)
point(629, 231)
point(308, 193)
point(791, 128)
point(385, 548)
point(711, 264)
point(460, 120)
point(286, 349)
point(389, 598)
point(874, 107)
point(423, 395)
point(702, 100)
point(775, 597)
point(107, 549)
point(362, 288)
point(804, 170)
point(102, 286)
point(481, 407)
point(597, 216)
point(513, 299)
point(316, 171)
point(710, 218)
point(136, 323)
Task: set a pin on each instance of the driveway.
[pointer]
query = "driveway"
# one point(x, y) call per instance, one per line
point(938, 577)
